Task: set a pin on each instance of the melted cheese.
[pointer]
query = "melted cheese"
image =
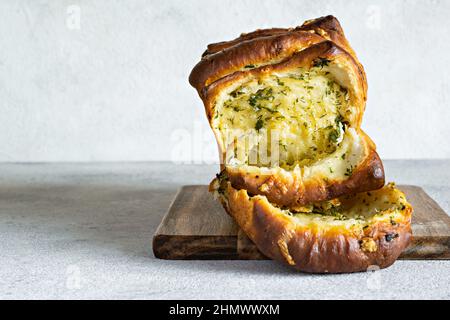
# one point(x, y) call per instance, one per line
point(282, 119)
point(355, 212)
point(334, 166)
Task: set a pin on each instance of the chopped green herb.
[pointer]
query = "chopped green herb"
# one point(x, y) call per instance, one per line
point(266, 108)
point(393, 223)
point(349, 172)
point(259, 124)
point(236, 93)
point(321, 62)
point(297, 77)
point(334, 135)
point(261, 94)
point(222, 177)
point(249, 66)
point(280, 83)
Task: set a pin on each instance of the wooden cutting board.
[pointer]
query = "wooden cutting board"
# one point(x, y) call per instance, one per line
point(197, 227)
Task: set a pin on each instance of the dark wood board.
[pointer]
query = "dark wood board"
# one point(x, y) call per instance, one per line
point(197, 227)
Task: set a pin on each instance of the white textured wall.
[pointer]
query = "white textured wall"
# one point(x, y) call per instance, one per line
point(112, 85)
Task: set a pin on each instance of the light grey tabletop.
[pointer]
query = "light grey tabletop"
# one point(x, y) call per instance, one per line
point(85, 231)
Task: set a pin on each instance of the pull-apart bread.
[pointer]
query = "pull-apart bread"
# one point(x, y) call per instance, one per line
point(286, 107)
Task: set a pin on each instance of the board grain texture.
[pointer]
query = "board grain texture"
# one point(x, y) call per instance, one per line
point(197, 227)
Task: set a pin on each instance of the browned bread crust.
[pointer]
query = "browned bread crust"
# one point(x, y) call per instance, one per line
point(328, 246)
point(219, 46)
point(266, 46)
point(257, 51)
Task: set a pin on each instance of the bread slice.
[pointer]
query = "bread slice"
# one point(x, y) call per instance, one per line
point(349, 234)
point(286, 107)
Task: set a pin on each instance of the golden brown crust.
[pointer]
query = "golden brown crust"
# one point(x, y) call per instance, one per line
point(329, 28)
point(215, 47)
point(258, 51)
point(308, 249)
point(266, 46)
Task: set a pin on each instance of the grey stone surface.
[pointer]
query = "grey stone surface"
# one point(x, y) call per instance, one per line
point(85, 231)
